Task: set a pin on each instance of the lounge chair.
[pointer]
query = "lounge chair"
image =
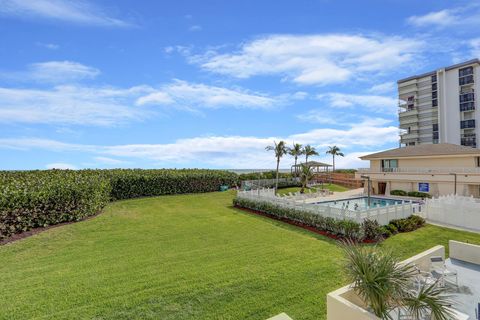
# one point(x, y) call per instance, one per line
point(438, 267)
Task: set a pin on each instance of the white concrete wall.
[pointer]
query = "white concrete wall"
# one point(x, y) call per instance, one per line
point(464, 251)
point(455, 211)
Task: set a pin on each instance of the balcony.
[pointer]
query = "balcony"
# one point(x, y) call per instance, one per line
point(469, 140)
point(467, 80)
point(413, 134)
point(432, 170)
point(467, 124)
point(467, 106)
point(408, 113)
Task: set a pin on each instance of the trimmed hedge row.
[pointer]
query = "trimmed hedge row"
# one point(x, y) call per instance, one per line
point(369, 230)
point(417, 194)
point(134, 183)
point(40, 198)
point(30, 199)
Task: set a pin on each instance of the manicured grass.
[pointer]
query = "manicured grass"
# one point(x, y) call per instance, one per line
point(331, 187)
point(180, 257)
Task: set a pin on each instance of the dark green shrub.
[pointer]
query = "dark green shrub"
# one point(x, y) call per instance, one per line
point(386, 233)
point(392, 228)
point(372, 230)
point(418, 194)
point(32, 199)
point(417, 220)
point(398, 193)
point(342, 228)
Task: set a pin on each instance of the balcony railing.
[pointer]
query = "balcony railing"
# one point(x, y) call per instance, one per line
point(445, 170)
point(467, 124)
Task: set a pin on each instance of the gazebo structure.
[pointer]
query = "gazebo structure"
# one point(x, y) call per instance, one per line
point(318, 167)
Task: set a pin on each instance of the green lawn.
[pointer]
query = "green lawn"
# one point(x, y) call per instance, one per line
point(180, 257)
point(331, 187)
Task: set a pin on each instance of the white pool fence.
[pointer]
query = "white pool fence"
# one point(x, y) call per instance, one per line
point(383, 215)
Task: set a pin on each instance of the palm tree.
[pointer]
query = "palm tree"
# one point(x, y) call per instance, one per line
point(295, 151)
point(334, 151)
point(308, 150)
point(306, 174)
point(280, 150)
point(385, 284)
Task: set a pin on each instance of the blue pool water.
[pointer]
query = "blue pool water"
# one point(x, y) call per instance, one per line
point(360, 203)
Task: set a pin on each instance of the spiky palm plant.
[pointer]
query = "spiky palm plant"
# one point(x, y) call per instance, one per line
point(384, 284)
point(308, 151)
point(295, 151)
point(334, 151)
point(280, 150)
point(306, 174)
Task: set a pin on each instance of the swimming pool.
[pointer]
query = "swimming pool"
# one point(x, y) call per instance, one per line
point(360, 203)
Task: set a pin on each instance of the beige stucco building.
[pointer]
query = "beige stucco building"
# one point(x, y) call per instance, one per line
point(437, 169)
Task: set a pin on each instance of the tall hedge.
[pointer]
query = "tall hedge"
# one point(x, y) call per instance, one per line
point(133, 183)
point(39, 198)
point(30, 199)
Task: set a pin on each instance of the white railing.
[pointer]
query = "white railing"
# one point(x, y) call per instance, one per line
point(453, 210)
point(421, 170)
point(266, 183)
point(383, 215)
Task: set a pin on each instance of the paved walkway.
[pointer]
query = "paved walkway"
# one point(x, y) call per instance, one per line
point(338, 195)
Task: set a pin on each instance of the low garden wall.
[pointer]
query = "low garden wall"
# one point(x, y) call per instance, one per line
point(464, 251)
point(30, 199)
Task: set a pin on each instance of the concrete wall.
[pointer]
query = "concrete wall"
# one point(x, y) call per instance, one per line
point(345, 304)
point(464, 251)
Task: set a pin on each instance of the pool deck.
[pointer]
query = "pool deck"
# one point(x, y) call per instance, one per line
point(467, 295)
point(354, 193)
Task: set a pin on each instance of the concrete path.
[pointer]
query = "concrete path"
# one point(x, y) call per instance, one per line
point(338, 195)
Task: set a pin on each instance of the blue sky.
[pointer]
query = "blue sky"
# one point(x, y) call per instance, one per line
point(209, 84)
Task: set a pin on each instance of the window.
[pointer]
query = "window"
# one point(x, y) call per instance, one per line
point(465, 80)
point(435, 103)
point(434, 78)
point(435, 135)
point(389, 165)
point(434, 87)
point(465, 124)
point(467, 106)
point(434, 95)
point(435, 127)
point(465, 71)
point(467, 97)
point(477, 161)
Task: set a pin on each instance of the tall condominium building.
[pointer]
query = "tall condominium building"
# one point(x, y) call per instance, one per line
point(440, 106)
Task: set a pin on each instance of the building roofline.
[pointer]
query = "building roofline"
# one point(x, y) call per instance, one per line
point(431, 73)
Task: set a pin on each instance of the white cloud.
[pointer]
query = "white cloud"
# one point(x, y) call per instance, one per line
point(195, 28)
point(61, 71)
point(71, 104)
point(225, 151)
point(438, 18)
point(461, 16)
point(475, 47)
point(109, 161)
point(381, 88)
point(313, 59)
point(196, 96)
point(60, 165)
point(74, 11)
point(373, 103)
point(51, 46)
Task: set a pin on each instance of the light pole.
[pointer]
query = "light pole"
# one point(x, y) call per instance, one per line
point(455, 183)
point(368, 187)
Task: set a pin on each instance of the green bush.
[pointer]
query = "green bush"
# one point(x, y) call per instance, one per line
point(372, 230)
point(263, 175)
point(392, 228)
point(398, 193)
point(386, 233)
point(409, 224)
point(30, 199)
point(418, 194)
point(134, 183)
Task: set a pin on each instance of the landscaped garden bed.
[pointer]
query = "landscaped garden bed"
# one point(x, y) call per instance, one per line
point(341, 229)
